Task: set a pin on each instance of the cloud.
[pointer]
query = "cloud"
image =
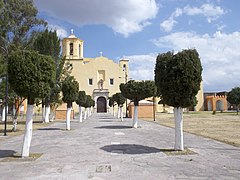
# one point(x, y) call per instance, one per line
point(142, 66)
point(124, 17)
point(219, 53)
point(61, 32)
point(210, 11)
point(168, 24)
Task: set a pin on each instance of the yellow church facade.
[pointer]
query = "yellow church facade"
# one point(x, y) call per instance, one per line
point(99, 77)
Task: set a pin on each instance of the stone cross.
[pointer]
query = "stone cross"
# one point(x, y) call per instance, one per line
point(71, 31)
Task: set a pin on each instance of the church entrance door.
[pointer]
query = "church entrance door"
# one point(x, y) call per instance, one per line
point(101, 105)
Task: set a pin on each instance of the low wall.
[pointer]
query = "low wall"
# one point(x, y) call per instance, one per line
point(61, 114)
point(144, 111)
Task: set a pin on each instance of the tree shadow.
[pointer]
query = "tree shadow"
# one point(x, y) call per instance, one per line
point(7, 153)
point(8, 130)
point(49, 129)
point(107, 121)
point(104, 118)
point(113, 127)
point(130, 149)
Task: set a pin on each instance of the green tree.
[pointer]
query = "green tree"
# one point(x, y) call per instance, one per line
point(178, 79)
point(120, 100)
point(87, 106)
point(136, 91)
point(48, 43)
point(70, 94)
point(233, 97)
point(80, 101)
point(92, 106)
point(31, 76)
point(17, 21)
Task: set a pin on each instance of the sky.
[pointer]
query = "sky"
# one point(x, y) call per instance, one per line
point(139, 30)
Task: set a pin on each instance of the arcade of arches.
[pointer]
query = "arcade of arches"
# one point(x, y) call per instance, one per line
point(216, 102)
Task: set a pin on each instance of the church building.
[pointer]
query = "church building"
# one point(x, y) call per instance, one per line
point(99, 77)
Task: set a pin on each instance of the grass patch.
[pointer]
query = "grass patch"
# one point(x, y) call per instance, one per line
point(172, 152)
point(37, 123)
point(223, 127)
point(18, 158)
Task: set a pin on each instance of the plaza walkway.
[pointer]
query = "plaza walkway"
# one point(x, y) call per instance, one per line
point(103, 147)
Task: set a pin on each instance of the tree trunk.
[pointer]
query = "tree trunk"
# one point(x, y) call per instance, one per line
point(113, 112)
point(43, 112)
point(80, 113)
point(3, 114)
point(14, 110)
point(52, 116)
point(178, 116)
point(14, 124)
point(68, 116)
point(90, 111)
point(121, 112)
point(28, 131)
point(85, 114)
point(47, 113)
point(118, 112)
point(135, 117)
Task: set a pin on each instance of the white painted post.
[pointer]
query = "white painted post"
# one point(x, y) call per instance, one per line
point(28, 132)
point(68, 118)
point(178, 116)
point(135, 119)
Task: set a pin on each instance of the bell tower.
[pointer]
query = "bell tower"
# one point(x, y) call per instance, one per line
point(72, 47)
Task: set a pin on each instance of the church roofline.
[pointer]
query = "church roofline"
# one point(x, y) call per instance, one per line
point(124, 59)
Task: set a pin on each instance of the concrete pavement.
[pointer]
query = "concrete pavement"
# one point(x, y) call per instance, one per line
point(103, 147)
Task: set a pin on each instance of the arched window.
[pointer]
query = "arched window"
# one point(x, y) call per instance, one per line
point(79, 50)
point(71, 48)
point(124, 67)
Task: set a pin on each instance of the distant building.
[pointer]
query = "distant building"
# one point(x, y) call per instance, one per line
point(215, 101)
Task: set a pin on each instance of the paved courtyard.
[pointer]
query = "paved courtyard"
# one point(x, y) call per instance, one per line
point(103, 147)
